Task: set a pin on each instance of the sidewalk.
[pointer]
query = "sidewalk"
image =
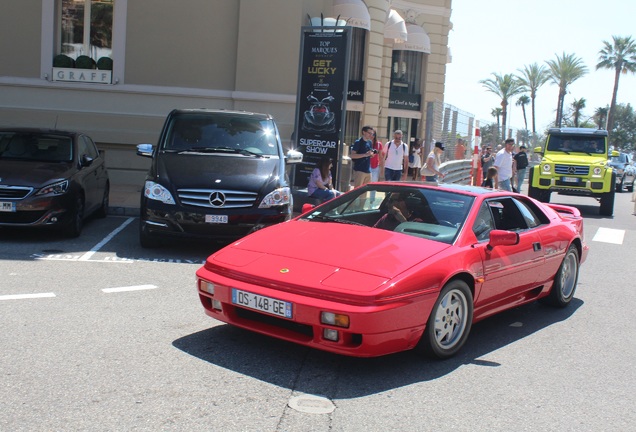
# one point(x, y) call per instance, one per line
point(124, 199)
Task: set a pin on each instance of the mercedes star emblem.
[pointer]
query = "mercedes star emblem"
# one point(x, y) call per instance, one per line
point(217, 199)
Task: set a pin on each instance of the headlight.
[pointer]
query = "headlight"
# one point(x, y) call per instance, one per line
point(546, 168)
point(277, 197)
point(56, 188)
point(597, 171)
point(155, 191)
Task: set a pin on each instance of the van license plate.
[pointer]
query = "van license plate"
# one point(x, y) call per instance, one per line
point(261, 303)
point(570, 179)
point(216, 218)
point(7, 206)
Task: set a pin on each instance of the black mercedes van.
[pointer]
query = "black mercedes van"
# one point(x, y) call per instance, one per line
point(216, 175)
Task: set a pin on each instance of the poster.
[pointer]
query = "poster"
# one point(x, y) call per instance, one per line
point(321, 99)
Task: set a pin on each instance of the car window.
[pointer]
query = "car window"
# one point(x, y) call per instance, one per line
point(90, 148)
point(573, 143)
point(533, 216)
point(35, 146)
point(506, 214)
point(483, 223)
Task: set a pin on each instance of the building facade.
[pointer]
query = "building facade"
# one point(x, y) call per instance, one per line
point(115, 68)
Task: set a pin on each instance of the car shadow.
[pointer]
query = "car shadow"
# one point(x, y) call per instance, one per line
point(313, 371)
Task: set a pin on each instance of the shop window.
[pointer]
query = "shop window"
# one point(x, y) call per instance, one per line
point(86, 29)
point(406, 72)
point(358, 43)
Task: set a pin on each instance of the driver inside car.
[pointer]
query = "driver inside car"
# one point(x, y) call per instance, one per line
point(398, 212)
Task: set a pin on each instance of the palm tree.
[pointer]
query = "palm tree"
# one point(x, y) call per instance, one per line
point(522, 102)
point(600, 116)
point(622, 58)
point(577, 107)
point(496, 113)
point(505, 87)
point(532, 77)
point(564, 71)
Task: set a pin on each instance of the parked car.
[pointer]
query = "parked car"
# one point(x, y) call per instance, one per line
point(413, 268)
point(622, 164)
point(51, 178)
point(216, 175)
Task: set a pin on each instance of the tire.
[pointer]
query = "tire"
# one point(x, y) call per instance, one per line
point(450, 322)
point(607, 201)
point(102, 211)
point(542, 195)
point(565, 280)
point(76, 223)
point(146, 240)
point(619, 187)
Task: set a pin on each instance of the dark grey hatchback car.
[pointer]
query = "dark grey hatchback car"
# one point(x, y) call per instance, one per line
point(215, 175)
point(50, 178)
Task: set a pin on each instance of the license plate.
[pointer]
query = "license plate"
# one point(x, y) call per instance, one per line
point(216, 218)
point(261, 303)
point(570, 179)
point(7, 206)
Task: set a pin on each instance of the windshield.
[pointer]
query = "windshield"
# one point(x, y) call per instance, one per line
point(425, 212)
point(581, 144)
point(35, 146)
point(224, 132)
point(621, 159)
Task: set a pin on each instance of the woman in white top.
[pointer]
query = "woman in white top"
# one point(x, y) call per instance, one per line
point(431, 168)
point(416, 157)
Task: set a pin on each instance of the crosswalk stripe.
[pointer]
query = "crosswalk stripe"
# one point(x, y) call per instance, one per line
point(609, 235)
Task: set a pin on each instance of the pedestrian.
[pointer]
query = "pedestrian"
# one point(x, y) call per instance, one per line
point(503, 163)
point(377, 162)
point(430, 170)
point(521, 160)
point(487, 159)
point(491, 181)
point(396, 162)
point(361, 153)
point(460, 149)
point(320, 182)
point(415, 159)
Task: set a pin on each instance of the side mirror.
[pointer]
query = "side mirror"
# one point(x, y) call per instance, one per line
point(144, 150)
point(502, 238)
point(86, 160)
point(538, 150)
point(306, 207)
point(293, 157)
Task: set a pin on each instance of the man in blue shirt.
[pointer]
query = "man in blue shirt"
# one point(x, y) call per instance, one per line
point(361, 153)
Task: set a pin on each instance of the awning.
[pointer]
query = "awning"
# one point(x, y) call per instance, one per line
point(327, 22)
point(417, 40)
point(354, 11)
point(395, 27)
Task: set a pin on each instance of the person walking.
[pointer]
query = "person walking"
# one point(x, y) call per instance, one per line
point(361, 153)
point(415, 159)
point(396, 161)
point(521, 160)
point(377, 162)
point(503, 163)
point(430, 170)
point(487, 159)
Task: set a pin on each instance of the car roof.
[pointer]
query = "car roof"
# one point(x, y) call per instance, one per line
point(40, 131)
point(577, 131)
point(450, 187)
point(211, 111)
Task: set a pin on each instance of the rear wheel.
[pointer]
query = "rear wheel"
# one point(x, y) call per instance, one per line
point(565, 280)
point(449, 323)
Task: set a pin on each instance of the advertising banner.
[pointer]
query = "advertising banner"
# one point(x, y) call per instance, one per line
point(321, 99)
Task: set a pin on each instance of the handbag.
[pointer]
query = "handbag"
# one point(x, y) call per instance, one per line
point(411, 158)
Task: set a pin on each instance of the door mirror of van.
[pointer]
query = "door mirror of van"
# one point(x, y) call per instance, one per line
point(294, 157)
point(144, 150)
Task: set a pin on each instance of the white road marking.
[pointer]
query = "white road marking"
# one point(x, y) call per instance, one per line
point(105, 240)
point(26, 296)
point(609, 235)
point(129, 288)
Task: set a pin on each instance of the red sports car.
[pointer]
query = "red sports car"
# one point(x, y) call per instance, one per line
point(392, 266)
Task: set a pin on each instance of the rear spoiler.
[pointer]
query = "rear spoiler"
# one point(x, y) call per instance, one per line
point(565, 210)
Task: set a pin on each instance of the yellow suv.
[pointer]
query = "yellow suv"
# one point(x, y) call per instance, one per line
point(575, 162)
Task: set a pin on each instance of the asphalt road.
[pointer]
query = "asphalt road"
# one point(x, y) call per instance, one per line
point(98, 334)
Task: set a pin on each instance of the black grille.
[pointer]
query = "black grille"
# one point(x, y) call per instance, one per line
point(302, 329)
point(14, 192)
point(21, 217)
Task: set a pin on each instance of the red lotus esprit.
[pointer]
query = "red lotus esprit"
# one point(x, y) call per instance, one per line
point(392, 266)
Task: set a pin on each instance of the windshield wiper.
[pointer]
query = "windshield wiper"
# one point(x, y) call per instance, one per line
point(221, 150)
point(324, 218)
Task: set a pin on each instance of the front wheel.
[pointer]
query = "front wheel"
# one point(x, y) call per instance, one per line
point(450, 321)
point(76, 221)
point(607, 201)
point(565, 280)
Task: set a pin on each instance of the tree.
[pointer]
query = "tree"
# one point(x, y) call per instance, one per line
point(577, 108)
point(532, 77)
point(621, 57)
point(564, 71)
point(504, 86)
point(600, 116)
point(624, 132)
point(496, 112)
point(522, 102)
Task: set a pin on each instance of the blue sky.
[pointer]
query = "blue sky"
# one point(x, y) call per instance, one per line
point(503, 36)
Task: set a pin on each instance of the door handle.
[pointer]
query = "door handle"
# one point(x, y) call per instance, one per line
point(536, 246)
